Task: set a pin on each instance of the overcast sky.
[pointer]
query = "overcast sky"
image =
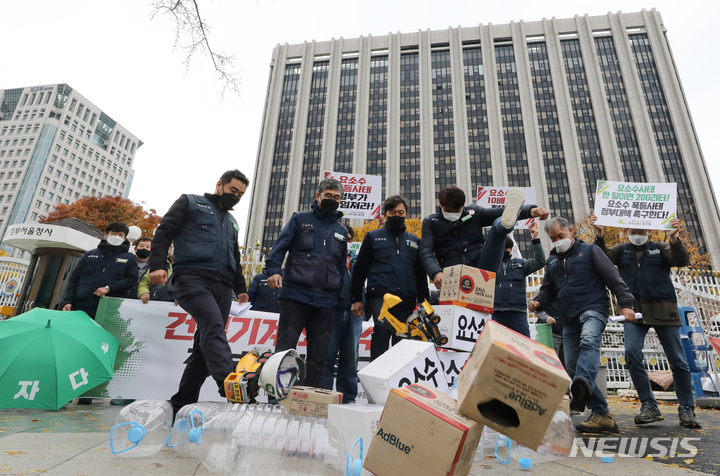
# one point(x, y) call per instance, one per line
point(112, 53)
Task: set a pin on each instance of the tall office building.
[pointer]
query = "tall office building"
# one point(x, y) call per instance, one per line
point(57, 147)
point(552, 104)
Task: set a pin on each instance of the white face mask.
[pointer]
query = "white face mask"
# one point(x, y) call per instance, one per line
point(638, 240)
point(115, 240)
point(563, 245)
point(452, 216)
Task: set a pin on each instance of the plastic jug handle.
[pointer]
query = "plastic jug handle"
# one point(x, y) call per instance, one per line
point(182, 422)
point(195, 435)
point(354, 465)
point(505, 441)
point(133, 435)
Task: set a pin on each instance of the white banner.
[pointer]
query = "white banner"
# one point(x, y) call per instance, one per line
point(156, 338)
point(362, 197)
point(494, 197)
point(647, 206)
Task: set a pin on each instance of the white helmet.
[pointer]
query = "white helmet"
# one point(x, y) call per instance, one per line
point(280, 372)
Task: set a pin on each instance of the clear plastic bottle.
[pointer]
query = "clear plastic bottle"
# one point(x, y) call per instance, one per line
point(556, 443)
point(282, 444)
point(219, 432)
point(188, 431)
point(141, 428)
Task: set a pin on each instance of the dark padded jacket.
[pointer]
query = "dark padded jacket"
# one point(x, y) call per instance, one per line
point(445, 243)
point(262, 296)
point(173, 226)
point(106, 265)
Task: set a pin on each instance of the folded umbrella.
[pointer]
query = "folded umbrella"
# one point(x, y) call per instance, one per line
point(48, 357)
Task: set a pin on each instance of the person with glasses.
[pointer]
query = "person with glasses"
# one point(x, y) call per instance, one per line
point(316, 247)
point(390, 262)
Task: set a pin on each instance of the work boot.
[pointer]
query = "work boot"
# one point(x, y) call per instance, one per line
point(687, 417)
point(580, 390)
point(513, 203)
point(598, 424)
point(648, 413)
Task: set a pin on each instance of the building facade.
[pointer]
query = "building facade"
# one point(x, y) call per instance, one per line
point(552, 104)
point(57, 147)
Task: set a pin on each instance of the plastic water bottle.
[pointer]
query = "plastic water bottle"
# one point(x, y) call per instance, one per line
point(218, 433)
point(272, 443)
point(141, 428)
point(187, 431)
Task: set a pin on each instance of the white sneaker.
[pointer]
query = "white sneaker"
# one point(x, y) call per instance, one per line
point(513, 203)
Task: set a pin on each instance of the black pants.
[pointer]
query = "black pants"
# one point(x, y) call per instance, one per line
point(317, 322)
point(208, 302)
point(380, 341)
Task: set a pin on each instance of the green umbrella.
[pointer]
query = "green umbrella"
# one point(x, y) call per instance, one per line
point(47, 358)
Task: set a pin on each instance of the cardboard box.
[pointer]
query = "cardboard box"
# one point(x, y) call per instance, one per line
point(421, 433)
point(310, 401)
point(452, 363)
point(512, 384)
point(407, 362)
point(461, 325)
point(468, 287)
point(356, 421)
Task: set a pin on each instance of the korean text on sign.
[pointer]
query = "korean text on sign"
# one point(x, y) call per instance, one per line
point(494, 197)
point(648, 206)
point(362, 194)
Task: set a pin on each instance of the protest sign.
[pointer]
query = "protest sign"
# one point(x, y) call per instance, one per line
point(362, 197)
point(646, 206)
point(494, 197)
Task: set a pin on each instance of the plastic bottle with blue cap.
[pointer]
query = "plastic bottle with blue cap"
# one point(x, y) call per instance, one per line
point(188, 430)
point(141, 429)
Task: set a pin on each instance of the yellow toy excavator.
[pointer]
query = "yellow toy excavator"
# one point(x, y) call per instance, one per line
point(421, 325)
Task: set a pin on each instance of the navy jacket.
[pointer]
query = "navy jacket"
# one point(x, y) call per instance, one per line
point(510, 290)
point(650, 277)
point(577, 279)
point(389, 261)
point(205, 238)
point(316, 247)
point(106, 265)
point(262, 296)
point(445, 243)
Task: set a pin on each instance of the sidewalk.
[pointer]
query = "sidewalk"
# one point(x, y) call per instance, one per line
point(74, 441)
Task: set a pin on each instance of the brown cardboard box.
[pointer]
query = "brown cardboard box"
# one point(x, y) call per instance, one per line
point(468, 287)
point(512, 384)
point(310, 401)
point(421, 433)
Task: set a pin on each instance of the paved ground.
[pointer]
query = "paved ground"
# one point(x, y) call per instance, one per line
point(74, 441)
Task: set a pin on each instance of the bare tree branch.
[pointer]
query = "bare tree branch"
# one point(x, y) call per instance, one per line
point(192, 35)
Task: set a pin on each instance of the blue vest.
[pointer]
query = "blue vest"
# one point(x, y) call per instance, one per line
point(650, 277)
point(392, 269)
point(207, 241)
point(510, 285)
point(312, 262)
point(579, 286)
point(459, 242)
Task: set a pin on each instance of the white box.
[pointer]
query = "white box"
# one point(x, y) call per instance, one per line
point(356, 421)
point(403, 364)
point(452, 363)
point(461, 325)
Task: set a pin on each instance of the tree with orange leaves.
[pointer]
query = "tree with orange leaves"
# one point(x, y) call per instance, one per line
point(99, 211)
point(699, 258)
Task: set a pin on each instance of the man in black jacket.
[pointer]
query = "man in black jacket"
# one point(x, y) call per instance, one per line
point(206, 270)
point(455, 235)
point(263, 297)
point(575, 277)
point(108, 270)
point(389, 260)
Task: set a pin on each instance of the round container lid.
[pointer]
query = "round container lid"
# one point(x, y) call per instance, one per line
point(525, 463)
point(607, 459)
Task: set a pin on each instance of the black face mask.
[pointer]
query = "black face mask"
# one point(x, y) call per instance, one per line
point(228, 200)
point(329, 205)
point(396, 222)
point(143, 253)
point(506, 255)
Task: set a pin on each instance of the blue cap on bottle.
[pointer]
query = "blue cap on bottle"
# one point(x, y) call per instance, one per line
point(525, 463)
